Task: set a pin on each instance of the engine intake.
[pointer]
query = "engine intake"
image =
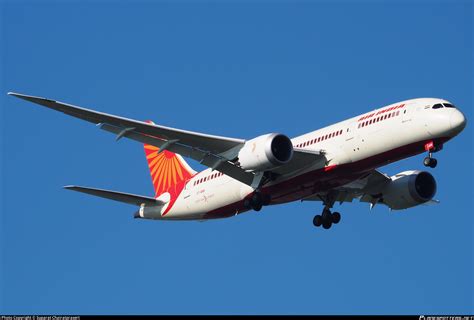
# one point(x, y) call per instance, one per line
point(266, 152)
point(409, 189)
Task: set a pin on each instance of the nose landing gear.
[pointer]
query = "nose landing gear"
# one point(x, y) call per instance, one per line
point(429, 161)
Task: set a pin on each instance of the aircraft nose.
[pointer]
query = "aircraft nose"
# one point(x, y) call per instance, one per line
point(457, 120)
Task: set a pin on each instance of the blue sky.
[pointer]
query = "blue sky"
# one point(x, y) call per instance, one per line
point(239, 70)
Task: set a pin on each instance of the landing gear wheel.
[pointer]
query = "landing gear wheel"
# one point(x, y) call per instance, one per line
point(336, 217)
point(255, 202)
point(257, 206)
point(430, 162)
point(317, 220)
point(327, 224)
point(256, 198)
point(427, 161)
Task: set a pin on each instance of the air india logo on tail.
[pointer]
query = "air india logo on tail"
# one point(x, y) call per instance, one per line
point(168, 170)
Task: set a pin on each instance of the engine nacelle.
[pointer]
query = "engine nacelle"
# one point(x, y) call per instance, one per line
point(266, 152)
point(409, 189)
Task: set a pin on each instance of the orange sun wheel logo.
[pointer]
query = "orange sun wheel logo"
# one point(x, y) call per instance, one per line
point(165, 168)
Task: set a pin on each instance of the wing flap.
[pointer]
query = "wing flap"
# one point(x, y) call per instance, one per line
point(117, 196)
point(301, 160)
point(363, 189)
point(215, 161)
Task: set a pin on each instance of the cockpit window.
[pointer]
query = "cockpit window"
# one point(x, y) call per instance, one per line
point(437, 106)
point(448, 105)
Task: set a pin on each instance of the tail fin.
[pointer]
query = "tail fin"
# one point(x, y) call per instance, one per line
point(168, 170)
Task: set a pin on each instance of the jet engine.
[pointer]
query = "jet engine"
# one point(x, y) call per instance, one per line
point(266, 152)
point(409, 189)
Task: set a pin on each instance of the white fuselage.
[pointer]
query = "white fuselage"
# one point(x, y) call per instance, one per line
point(358, 144)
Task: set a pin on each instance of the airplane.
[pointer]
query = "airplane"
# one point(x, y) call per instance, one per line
point(334, 164)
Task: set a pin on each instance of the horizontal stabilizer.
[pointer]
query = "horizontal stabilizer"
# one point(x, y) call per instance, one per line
point(117, 196)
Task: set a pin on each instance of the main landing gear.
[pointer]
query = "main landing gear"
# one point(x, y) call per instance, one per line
point(326, 219)
point(257, 201)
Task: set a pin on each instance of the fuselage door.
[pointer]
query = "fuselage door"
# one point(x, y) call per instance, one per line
point(407, 114)
point(352, 141)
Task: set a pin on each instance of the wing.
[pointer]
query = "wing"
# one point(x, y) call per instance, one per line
point(212, 151)
point(301, 160)
point(117, 196)
point(366, 189)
